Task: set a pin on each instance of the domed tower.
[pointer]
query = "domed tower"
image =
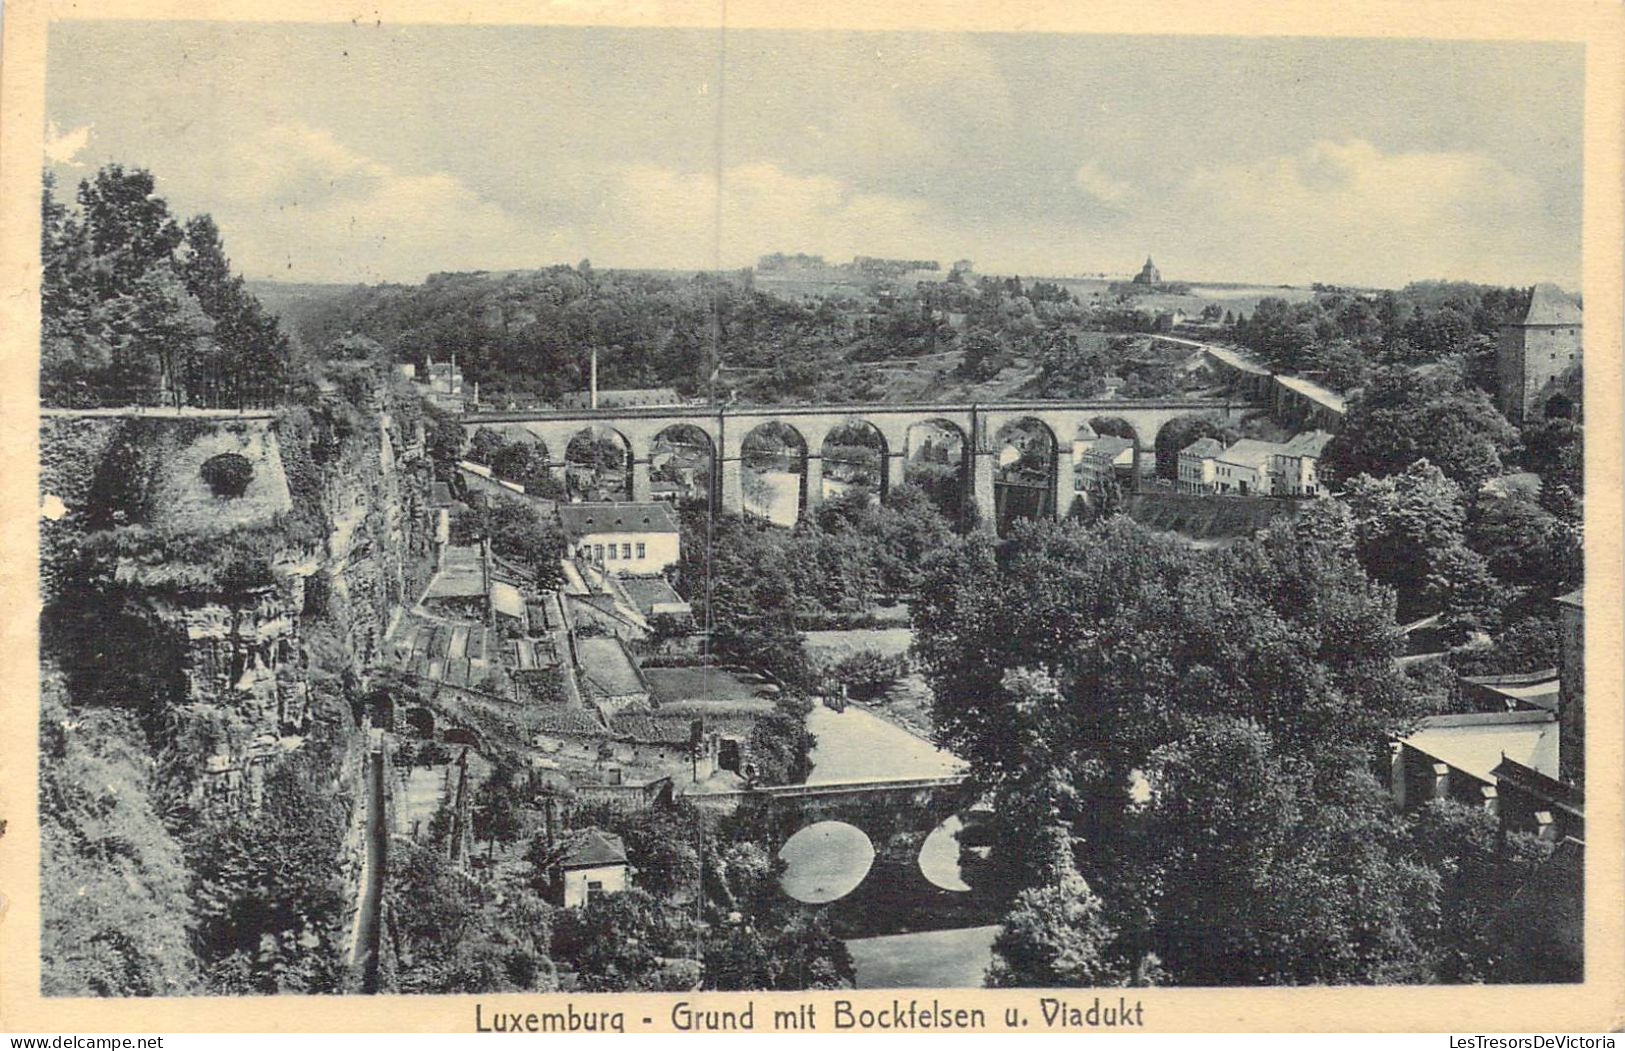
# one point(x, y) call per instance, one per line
point(1149, 274)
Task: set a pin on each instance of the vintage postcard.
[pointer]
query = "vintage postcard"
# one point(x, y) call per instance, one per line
point(800, 518)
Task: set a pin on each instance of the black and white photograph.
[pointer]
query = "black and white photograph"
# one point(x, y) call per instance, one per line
point(590, 509)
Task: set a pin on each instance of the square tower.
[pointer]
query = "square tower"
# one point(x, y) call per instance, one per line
point(1537, 353)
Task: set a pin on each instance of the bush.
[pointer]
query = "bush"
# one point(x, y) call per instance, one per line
point(228, 474)
point(868, 673)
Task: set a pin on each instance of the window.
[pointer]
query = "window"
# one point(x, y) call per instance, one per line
point(598, 552)
point(641, 552)
point(626, 550)
point(612, 552)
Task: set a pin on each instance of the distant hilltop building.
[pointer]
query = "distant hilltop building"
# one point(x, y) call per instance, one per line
point(1149, 274)
point(1539, 357)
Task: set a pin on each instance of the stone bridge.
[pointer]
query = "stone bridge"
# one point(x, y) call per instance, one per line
point(897, 817)
point(897, 427)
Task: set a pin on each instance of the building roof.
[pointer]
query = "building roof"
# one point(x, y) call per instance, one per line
point(1309, 443)
point(1203, 447)
point(593, 848)
point(1251, 452)
point(624, 396)
point(1476, 743)
point(1550, 305)
point(649, 594)
point(585, 519)
point(1109, 446)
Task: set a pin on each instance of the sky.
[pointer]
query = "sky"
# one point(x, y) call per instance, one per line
point(343, 153)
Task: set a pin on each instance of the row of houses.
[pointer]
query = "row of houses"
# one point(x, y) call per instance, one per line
point(1252, 467)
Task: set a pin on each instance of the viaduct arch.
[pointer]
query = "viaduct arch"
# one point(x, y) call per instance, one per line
point(726, 427)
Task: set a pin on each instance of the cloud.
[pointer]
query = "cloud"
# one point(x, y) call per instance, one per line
point(1349, 208)
point(297, 204)
point(690, 219)
point(1101, 185)
point(61, 147)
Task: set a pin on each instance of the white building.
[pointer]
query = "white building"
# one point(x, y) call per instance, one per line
point(1251, 467)
point(1295, 470)
point(624, 538)
point(1198, 466)
point(1244, 468)
point(1103, 459)
point(593, 864)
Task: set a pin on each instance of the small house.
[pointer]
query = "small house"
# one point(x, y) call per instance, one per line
point(593, 863)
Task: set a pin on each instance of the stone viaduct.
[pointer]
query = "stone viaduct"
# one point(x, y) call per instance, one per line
point(978, 426)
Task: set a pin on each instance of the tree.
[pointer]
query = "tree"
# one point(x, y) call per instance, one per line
point(484, 446)
point(252, 351)
point(1056, 934)
point(517, 530)
point(445, 441)
point(1411, 534)
point(497, 805)
point(1402, 417)
point(801, 952)
point(269, 905)
point(1258, 875)
point(1068, 663)
point(1529, 644)
point(129, 224)
point(1524, 544)
point(619, 942)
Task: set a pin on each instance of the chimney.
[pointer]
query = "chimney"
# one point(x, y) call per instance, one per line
point(593, 387)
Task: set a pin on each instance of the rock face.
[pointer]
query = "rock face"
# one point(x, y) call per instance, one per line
point(236, 560)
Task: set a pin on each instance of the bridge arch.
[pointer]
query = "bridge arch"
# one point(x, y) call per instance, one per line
point(951, 853)
point(936, 459)
point(598, 463)
point(773, 468)
point(1025, 470)
point(1118, 427)
point(853, 454)
point(825, 861)
point(683, 463)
